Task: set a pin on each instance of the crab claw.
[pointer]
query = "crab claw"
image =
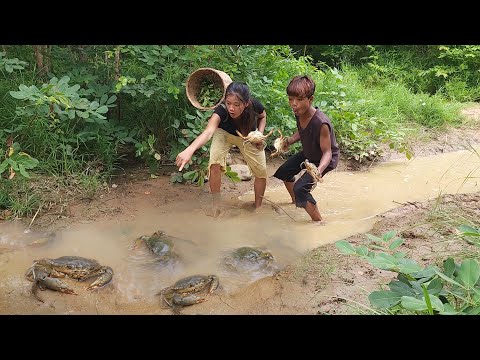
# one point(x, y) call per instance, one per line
point(214, 282)
point(187, 300)
point(104, 279)
point(137, 242)
point(55, 284)
point(34, 291)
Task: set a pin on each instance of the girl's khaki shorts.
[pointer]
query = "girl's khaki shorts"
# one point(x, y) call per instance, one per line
point(222, 141)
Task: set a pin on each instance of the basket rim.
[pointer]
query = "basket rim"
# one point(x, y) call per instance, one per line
point(193, 83)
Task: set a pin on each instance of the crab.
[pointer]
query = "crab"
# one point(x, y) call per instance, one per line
point(248, 258)
point(280, 144)
point(255, 137)
point(184, 291)
point(44, 274)
point(312, 169)
point(161, 244)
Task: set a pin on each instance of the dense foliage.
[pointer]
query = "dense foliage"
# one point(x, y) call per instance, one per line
point(83, 111)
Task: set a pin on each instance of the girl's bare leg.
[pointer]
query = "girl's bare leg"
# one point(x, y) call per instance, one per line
point(259, 189)
point(215, 181)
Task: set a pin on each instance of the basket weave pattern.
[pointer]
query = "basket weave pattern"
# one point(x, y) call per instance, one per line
point(220, 79)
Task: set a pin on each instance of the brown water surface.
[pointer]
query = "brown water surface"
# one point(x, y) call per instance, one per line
point(348, 202)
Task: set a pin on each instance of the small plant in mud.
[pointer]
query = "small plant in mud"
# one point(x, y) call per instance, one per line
point(146, 150)
point(470, 234)
point(198, 165)
point(455, 289)
point(199, 176)
point(15, 161)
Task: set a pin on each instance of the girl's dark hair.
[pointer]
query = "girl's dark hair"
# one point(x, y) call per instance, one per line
point(248, 118)
point(301, 86)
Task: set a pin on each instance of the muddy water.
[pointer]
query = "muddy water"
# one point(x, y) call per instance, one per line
point(348, 202)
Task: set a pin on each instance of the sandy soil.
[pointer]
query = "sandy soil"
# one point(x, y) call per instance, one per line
point(323, 281)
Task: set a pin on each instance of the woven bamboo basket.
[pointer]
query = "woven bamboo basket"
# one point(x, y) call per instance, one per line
point(216, 78)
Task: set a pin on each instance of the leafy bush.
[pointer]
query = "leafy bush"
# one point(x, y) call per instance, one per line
point(455, 289)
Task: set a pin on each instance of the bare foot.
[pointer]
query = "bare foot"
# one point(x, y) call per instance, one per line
point(319, 223)
point(250, 207)
point(213, 212)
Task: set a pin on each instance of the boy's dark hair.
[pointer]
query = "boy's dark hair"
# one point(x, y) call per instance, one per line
point(248, 117)
point(301, 85)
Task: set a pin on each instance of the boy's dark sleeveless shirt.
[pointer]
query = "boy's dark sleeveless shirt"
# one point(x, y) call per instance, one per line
point(226, 122)
point(310, 138)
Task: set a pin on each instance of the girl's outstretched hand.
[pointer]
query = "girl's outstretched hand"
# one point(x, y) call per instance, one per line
point(182, 159)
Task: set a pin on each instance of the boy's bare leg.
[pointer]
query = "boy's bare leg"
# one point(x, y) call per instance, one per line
point(312, 210)
point(289, 186)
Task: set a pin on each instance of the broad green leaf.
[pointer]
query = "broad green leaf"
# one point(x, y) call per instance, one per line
point(18, 95)
point(82, 114)
point(449, 267)
point(361, 250)
point(103, 99)
point(436, 303)
point(111, 99)
point(448, 279)
point(94, 105)
point(396, 243)
point(189, 175)
point(374, 238)
point(417, 286)
point(474, 311)
point(345, 247)
point(400, 254)
point(13, 164)
point(468, 230)
point(23, 172)
point(383, 261)
point(448, 310)
point(411, 303)
point(403, 278)
point(427, 273)
point(401, 288)
point(388, 235)
point(102, 109)
point(408, 266)
point(384, 299)
point(469, 273)
point(3, 166)
point(435, 286)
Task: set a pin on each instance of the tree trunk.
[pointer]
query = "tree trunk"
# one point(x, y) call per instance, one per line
point(42, 63)
point(117, 76)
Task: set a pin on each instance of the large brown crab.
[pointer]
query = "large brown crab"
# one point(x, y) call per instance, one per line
point(312, 169)
point(255, 138)
point(161, 244)
point(280, 144)
point(184, 291)
point(45, 273)
point(247, 259)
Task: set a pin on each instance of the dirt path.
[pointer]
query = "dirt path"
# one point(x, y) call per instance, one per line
point(323, 281)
